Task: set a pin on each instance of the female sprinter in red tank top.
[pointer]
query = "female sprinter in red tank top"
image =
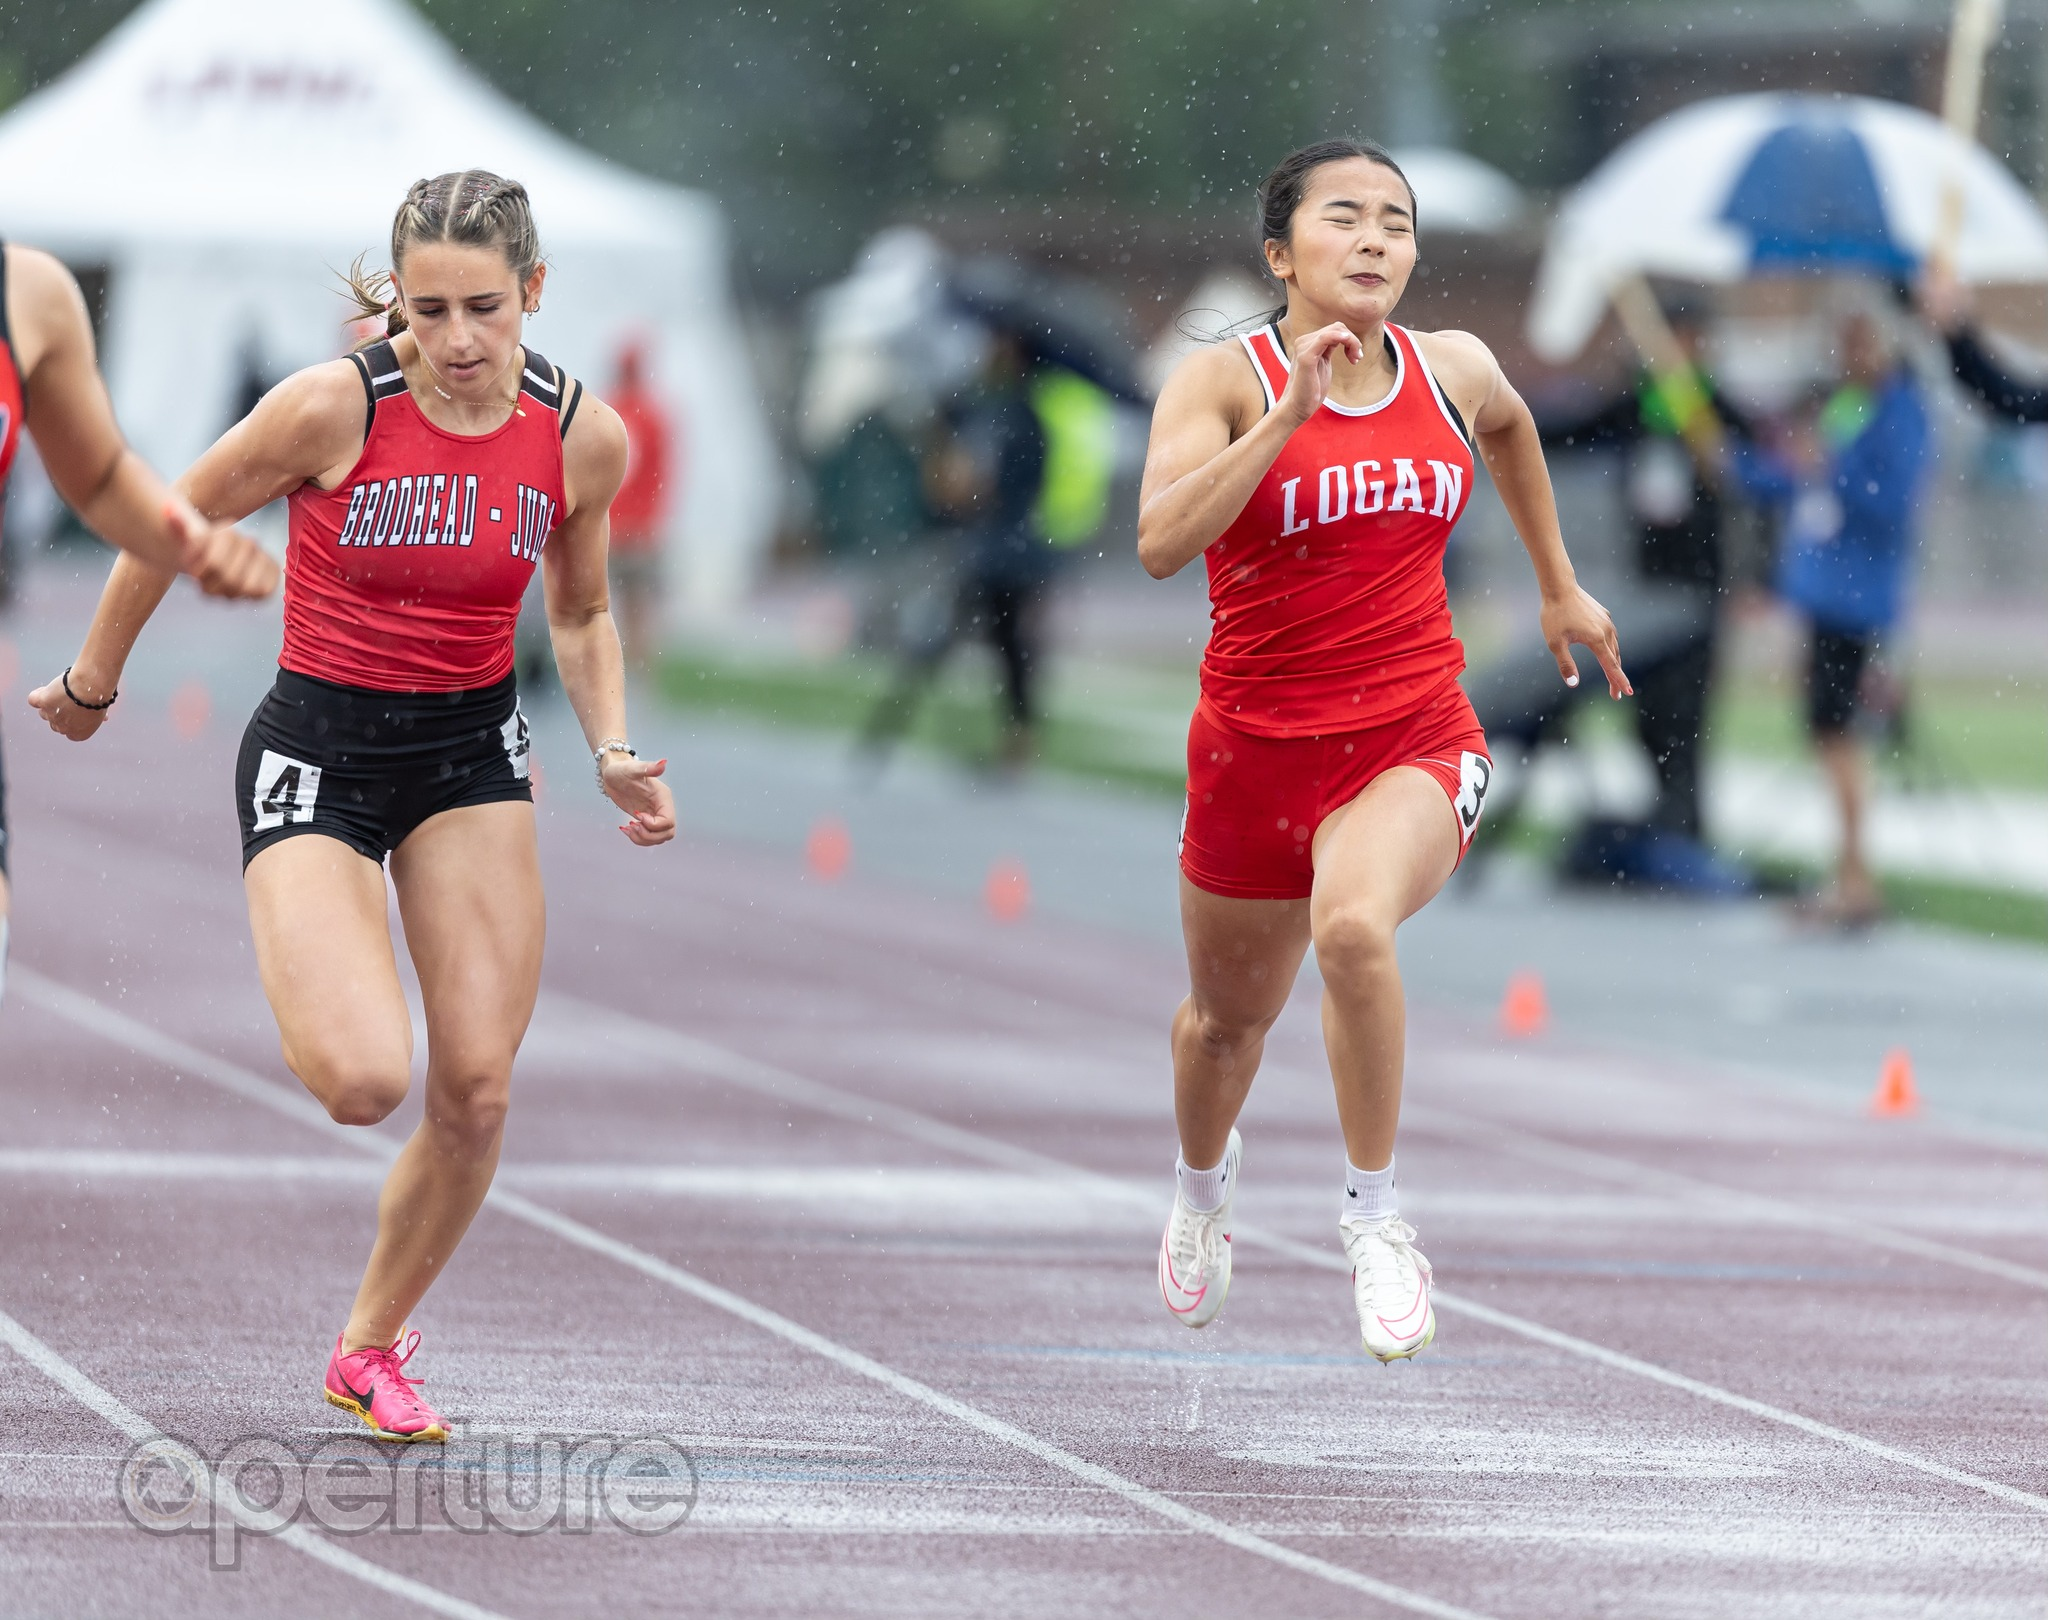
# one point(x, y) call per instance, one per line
point(425, 474)
point(1335, 769)
point(50, 384)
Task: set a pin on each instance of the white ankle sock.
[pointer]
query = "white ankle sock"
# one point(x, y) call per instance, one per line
point(1202, 1189)
point(1368, 1194)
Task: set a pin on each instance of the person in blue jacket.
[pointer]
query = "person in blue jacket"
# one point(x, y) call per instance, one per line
point(1848, 493)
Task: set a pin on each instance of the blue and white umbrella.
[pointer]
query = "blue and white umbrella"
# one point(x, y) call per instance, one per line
point(1766, 184)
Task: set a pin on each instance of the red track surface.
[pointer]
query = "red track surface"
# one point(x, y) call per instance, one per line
point(857, 1195)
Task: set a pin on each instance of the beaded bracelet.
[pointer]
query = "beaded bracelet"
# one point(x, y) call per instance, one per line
point(611, 745)
point(75, 698)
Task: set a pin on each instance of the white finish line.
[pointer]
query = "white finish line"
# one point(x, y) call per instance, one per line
point(699, 1056)
point(696, 1055)
point(226, 1499)
point(121, 1029)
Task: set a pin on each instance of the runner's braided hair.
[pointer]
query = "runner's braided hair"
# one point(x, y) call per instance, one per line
point(473, 207)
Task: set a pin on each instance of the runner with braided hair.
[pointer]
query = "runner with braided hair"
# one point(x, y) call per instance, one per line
point(427, 475)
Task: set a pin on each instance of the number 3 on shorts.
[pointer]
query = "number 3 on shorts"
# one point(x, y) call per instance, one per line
point(1475, 771)
point(285, 791)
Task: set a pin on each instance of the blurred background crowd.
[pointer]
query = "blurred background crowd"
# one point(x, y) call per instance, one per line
point(883, 291)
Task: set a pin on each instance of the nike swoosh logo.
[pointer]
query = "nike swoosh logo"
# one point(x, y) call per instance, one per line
point(1415, 1313)
point(1174, 1285)
point(362, 1397)
point(1171, 1286)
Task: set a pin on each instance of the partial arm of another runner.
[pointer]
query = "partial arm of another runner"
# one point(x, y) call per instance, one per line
point(586, 640)
point(308, 427)
point(1203, 464)
point(113, 490)
point(1513, 451)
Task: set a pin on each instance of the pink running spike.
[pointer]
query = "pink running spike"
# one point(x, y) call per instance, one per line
point(372, 1383)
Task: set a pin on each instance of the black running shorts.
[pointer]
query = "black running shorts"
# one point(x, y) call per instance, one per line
point(1834, 678)
point(368, 767)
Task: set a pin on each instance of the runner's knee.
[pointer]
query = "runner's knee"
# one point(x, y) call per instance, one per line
point(1354, 945)
point(467, 1109)
point(1225, 1033)
point(355, 1092)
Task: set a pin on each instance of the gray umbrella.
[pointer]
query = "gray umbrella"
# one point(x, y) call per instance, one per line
point(1063, 320)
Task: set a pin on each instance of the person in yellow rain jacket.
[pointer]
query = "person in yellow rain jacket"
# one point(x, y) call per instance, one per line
point(1025, 467)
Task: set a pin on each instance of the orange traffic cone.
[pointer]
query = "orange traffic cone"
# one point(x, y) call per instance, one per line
point(1896, 1096)
point(829, 848)
point(1008, 890)
point(1524, 1010)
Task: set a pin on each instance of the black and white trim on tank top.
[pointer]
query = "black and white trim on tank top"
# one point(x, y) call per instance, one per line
point(383, 378)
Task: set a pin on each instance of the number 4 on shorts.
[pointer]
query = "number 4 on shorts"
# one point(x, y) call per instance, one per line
point(285, 791)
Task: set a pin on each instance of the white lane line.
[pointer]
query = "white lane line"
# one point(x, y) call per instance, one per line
point(698, 1056)
point(881, 1188)
point(1540, 1149)
point(97, 1017)
point(226, 1499)
point(96, 1164)
point(683, 1051)
point(719, 1062)
point(1141, 1496)
point(1308, 1254)
point(646, 1037)
point(244, 1083)
point(880, 1185)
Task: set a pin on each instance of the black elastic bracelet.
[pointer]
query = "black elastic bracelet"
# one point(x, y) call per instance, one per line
point(75, 698)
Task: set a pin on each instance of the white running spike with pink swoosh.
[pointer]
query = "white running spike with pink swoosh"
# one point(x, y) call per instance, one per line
point(1390, 1283)
point(1194, 1254)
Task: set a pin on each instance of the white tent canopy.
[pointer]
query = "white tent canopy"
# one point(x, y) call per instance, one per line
point(224, 158)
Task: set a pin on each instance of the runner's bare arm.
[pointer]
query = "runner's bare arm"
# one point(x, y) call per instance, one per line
point(1506, 436)
point(1203, 463)
point(309, 427)
point(586, 641)
point(115, 492)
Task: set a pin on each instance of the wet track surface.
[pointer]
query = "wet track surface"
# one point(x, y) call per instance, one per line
point(853, 1193)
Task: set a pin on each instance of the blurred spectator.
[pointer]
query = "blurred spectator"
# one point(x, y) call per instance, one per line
point(873, 520)
point(640, 508)
point(1946, 304)
point(1846, 487)
point(1022, 466)
point(1678, 512)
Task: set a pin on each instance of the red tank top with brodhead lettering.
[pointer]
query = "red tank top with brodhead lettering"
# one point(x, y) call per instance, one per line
point(13, 402)
point(408, 574)
point(1327, 597)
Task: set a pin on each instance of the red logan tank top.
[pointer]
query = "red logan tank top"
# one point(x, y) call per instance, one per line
point(13, 402)
point(407, 575)
point(1327, 601)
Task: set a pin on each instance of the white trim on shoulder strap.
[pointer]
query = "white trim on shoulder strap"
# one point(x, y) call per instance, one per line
point(540, 382)
point(1272, 331)
point(1435, 389)
point(1258, 367)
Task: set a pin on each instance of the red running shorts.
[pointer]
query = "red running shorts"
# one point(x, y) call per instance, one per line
point(1254, 803)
